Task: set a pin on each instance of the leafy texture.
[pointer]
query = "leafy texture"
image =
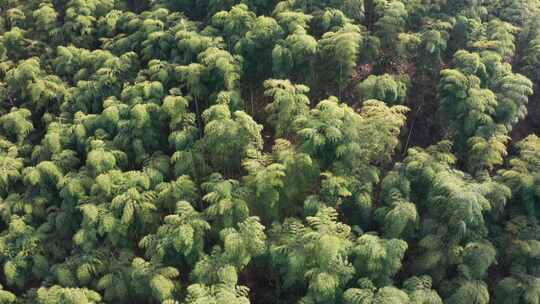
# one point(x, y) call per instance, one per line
point(269, 151)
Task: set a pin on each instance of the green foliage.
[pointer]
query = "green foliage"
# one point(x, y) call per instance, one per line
point(368, 294)
point(80, 269)
point(512, 93)
point(482, 116)
point(434, 42)
point(16, 123)
point(520, 243)
point(152, 280)
point(115, 282)
point(293, 21)
point(220, 293)
point(98, 160)
point(81, 18)
point(465, 31)
point(241, 244)
point(229, 135)
point(338, 52)
point(453, 208)
point(13, 43)
point(31, 85)
point(516, 12)
point(58, 294)
point(335, 132)
point(216, 70)
point(134, 209)
point(295, 55)
point(21, 253)
point(314, 255)
point(45, 17)
point(378, 259)
point(392, 21)
point(226, 204)
point(234, 23)
point(11, 166)
point(524, 289)
point(500, 38)
point(301, 173)
point(181, 233)
point(258, 43)
point(6, 297)
point(470, 292)
point(420, 290)
point(460, 206)
point(387, 88)
point(522, 175)
point(289, 101)
point(531, 56)
point(338, 136)
point(181, 189)
point(265, 180)
point(146, 147)
point(398, 216)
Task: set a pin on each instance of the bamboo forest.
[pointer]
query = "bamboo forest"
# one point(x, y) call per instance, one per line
point(270, 151)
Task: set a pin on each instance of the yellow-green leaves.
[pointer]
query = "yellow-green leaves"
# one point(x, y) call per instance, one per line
point(181, 233)
point(522, 176)
point(17, 123)
point(58, 294)
point(229, 135)
point(289, 101)
point(388, 88)
point(338, 51)
point(30, 83)
point(378, 259)
point(319, 249)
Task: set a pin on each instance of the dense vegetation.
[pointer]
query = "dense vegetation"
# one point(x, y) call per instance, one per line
point(267, 151)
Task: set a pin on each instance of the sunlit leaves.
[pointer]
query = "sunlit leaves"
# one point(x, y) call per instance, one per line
point(226, 205)
point(17, 123)
point(58, 294)
point(470, 292)
point(480, 118)
point(336, 132)
point(265, 182)
point(21, 253)
point(215, 294)
point(229, 135)
point(7, 297)
point(258, 42)
point(367, 293)
point(134, 166)
point(289, 101)
point(13, 43)
point(295, 55)
point(522, 175)
point(338, 53)
point(500, 38)
point(30, 83)
point(81, 19)
point(234, 23)
point(531, 58)
point(392, 21)
point(182, 232)
point(388, 88)
point(45, 17)
point(11, 166)
point(154, 280)
point(324, 256)
point(378, 259)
